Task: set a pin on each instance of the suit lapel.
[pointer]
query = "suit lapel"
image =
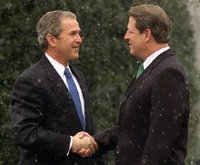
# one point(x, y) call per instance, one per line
point(60, 89)
point(57, 84)
point(136, 82)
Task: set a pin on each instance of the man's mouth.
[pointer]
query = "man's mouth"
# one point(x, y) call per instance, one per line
point(75, 47)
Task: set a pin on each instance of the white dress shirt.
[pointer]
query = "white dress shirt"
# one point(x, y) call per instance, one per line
point(60, 70)
point(153, 56)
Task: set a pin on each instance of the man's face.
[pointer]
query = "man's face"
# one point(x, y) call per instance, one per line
point(69, 40)
point(134, 38)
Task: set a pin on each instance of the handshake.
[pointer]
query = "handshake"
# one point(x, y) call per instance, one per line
point(83, 144)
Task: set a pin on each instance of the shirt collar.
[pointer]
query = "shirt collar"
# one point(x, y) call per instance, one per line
point(60, 68)
point(153, 56)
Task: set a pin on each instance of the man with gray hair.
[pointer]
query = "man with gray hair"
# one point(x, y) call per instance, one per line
point(50, 102)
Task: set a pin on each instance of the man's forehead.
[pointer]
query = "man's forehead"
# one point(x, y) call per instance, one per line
point(70, 24)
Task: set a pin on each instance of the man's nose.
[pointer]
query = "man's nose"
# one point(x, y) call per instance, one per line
point(79, 38)
point(126, 36)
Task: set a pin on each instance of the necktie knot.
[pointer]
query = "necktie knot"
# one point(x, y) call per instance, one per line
point(67, 73)
point(140, 70)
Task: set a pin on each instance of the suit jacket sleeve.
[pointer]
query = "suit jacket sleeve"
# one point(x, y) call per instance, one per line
point(169, 116)
point(28, 117)
point(107, 139)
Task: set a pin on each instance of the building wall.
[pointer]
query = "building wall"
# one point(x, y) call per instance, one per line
point(194, 9)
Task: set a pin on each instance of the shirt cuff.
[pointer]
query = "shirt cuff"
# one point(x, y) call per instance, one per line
point(70, 145)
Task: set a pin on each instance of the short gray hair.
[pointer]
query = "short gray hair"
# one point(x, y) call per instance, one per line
point(51, 23)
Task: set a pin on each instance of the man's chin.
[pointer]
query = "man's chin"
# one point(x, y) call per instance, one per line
point(75, 57)
point(131, 52)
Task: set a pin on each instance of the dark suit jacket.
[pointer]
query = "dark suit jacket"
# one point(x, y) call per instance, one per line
point(153, 117)
point(44, 116)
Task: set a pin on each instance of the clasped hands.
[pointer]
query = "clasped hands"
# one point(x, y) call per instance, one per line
point(84, 144)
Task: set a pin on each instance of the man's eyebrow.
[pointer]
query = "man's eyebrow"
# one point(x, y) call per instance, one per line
point(75, 31)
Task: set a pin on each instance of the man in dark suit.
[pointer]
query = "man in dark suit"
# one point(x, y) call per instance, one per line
point(154, 111)
point(47, 96)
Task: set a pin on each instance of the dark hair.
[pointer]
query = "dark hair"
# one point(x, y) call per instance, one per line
point(153, 17)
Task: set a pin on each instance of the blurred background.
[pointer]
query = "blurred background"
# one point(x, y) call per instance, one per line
point(104, 57)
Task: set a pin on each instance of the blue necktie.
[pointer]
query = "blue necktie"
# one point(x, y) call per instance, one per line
point(74, 92)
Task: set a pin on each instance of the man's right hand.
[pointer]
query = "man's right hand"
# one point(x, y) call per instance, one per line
point(84, 144)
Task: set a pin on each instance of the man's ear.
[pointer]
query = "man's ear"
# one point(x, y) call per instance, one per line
point(51, 39)
point(148, 34)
